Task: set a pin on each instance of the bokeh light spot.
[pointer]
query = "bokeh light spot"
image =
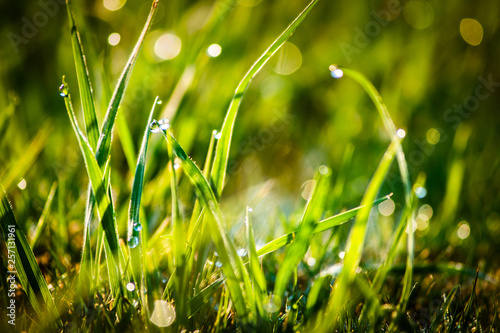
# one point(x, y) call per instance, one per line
point(463, 230)
point(114, 39)
point(168, 46)
point(401, 133)
point(113, 5)
point(288, 59)
point(163, 314)
point(387, 207)
point(471, 31)
point(419, 14)
point(214, 50)
point(433, 136)
point(22, 184)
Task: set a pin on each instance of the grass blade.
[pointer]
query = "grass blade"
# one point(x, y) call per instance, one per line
point(299, 247)
point(436, 323)
point(355, 242)
point(224, 144)
point(104, 144)
point(104, 208)
point(320, 226)
point(45, 212)
point(135, 234)
point(22, 262)
point(84, 84)
point(232, 265)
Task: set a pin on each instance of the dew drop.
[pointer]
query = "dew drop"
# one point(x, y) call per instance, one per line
point(130, 286)
point(401, 133)
point(133, 242)
point(216, 253)
point(137, 227)
point(211, 263)
point(421, 192)
point(336, 72)
point(159, 102)
point(163, 314)
point(242, 252)
point(218, 264)
point(154, 127)
point(176, 166)
point(63, 91)
point(250, 209)
point(164, 124)
point(217, 135)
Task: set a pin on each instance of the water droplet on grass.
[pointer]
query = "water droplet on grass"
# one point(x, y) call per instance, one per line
point(217, 135)
point(154, 127)
point(159, 102)
point(421, 192)
point(130, 286)
point(63, 90)
point(137, 227)
point(242, 252)
point(163, 314)
point(133, 242)
point(218, 264)
point(336, 72)
point(164, 124)
point(401, 133)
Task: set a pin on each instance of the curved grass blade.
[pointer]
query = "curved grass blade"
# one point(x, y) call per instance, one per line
point(355, 242)
point(22, 262)
point(320, 226)
point(298, 249)
point(405, 177)
point(224, 144)
point(232, 265)
point(45, 212)
point(84, 84)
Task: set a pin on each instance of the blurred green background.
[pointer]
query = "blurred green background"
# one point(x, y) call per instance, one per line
point(430, 60)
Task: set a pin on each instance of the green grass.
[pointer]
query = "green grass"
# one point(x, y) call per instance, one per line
point(137, 236)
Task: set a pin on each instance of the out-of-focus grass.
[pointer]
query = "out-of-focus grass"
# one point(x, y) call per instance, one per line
point(288, 124)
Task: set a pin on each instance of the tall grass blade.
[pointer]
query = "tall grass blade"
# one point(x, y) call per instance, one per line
point(22, 263)
point(224, 144)
point(134, 233)
point(104, 208)
point(355, 242)
point(232, 265)
point(84, 84)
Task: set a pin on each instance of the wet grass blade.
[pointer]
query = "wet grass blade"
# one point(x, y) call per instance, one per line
point(135, 233)
point(104, 144)
point(298, 249)
point(43, 218)
point(22, 263)
point(355, 242)
point(104, 207)
point(84, 84)
point(224, 144)
point(320, 226)
point(232, 265)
